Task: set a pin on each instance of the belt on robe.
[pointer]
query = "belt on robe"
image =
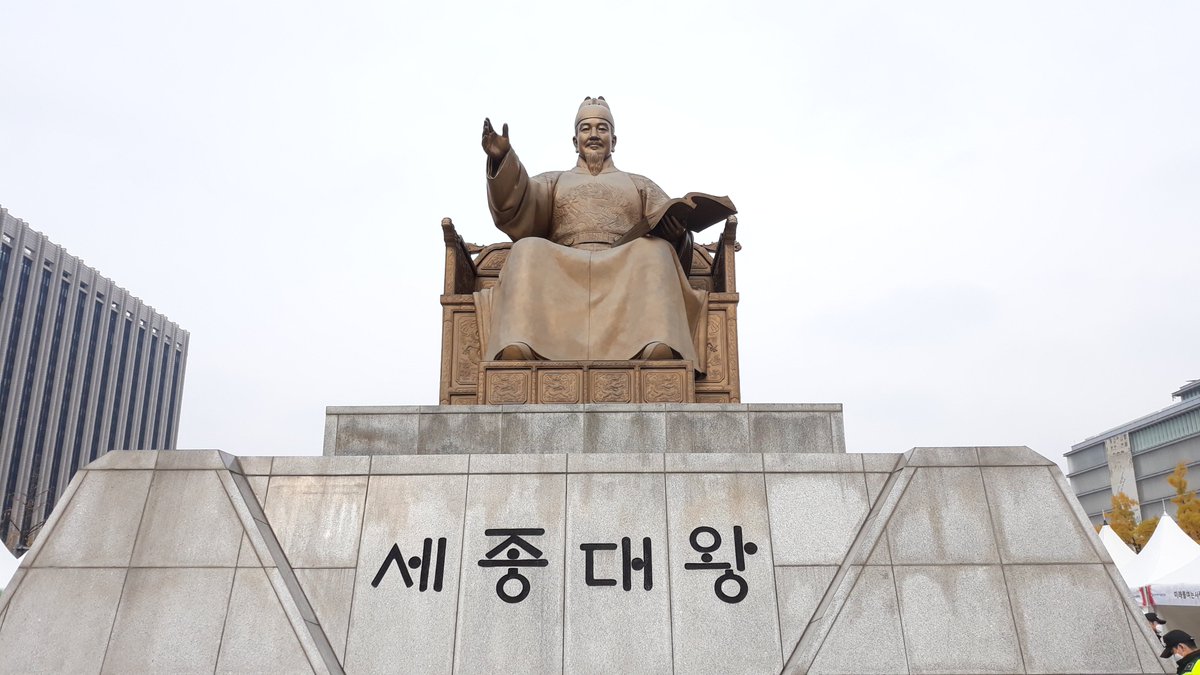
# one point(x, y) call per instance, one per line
point(608, 238)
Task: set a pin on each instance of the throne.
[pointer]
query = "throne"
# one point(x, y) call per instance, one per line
point(468, 380)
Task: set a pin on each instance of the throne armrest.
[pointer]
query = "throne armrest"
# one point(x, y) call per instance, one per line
point(724, 273)
point(460, 269)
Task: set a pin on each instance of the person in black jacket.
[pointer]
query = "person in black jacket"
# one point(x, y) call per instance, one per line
point(1183, 647)
point(1157, 625)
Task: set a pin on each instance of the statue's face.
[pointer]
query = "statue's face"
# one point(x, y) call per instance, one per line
point(594, 136)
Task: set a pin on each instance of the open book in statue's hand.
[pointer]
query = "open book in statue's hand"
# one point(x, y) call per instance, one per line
point(695, 210)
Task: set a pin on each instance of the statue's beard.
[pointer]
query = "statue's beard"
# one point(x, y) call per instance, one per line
point(594, 158)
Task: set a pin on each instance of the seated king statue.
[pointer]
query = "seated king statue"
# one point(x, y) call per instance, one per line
point(567, 292)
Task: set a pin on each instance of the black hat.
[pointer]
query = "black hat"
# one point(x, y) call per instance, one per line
point(1151, 616)
point(1173, 639)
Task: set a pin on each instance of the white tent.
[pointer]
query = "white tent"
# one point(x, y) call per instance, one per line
point(1181, 587)
point(1169, 550)
point(1122, 555)
point(8, 566)
point(1119, 551)
point(1189, 574)
point(1125, 560)
point(1166, 573)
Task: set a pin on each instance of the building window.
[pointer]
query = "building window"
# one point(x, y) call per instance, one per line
point(5, 253)
point(120, 386)
point(22, 421)
point(133, 389)
point(14, 335)
point(105, 372)
point(85, 392)
point(145, 416)
point(1167, 431)
point(155, 443)
point(60, 438)
point(169, 441)
point(10, 362)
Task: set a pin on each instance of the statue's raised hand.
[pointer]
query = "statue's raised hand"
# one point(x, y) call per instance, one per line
point(495, 145)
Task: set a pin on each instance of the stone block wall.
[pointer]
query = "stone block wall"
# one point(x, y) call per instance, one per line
point(940, 560)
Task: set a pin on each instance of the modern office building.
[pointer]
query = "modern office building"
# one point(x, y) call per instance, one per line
point(85, 367)
point(1137, 457)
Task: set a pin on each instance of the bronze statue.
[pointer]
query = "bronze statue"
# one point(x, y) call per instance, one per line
point(568, 292)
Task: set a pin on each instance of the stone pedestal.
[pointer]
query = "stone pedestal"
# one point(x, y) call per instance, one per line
point(647, 427)
point(752, 557)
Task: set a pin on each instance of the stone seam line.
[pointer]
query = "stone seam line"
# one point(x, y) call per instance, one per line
point(844, 580)
point(245, 494)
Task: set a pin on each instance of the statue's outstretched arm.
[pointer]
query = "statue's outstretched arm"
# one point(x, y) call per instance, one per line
point(495, 145)
point(520, 205)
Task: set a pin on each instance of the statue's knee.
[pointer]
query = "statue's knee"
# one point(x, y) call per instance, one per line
point(528, 246)
point(658, 351)
point(517, 351)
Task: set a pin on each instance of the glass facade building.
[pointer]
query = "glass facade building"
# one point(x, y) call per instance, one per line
point(1136, 458)
point(86, 368)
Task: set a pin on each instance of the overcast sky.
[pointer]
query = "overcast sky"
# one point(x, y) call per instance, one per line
point(970, 223)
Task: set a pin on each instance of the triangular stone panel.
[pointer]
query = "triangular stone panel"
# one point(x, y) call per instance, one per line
point(317, 519)
point(800, 590)
point(1033, 521)
point(866, 638)
point(177, 559)
point(330, 591)
point(942, 518)
point(968, 523)
point(957, 619)
point(258, 638)
point(1100, 644)
point(169, 620)
point(97, 526)
point(1146, 653)
point(189, 522)
point(58, 619)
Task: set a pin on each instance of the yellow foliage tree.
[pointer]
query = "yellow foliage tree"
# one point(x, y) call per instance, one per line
point(1121, 518)
point(1143, 532)
point(1188, 507)
point(1123, 521)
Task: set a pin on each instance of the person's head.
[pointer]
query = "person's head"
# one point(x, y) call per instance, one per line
point(595, 137)
point(1156, 624)
point(1177, 643)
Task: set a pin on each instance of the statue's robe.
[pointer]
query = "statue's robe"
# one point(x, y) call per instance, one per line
point(565, 291)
